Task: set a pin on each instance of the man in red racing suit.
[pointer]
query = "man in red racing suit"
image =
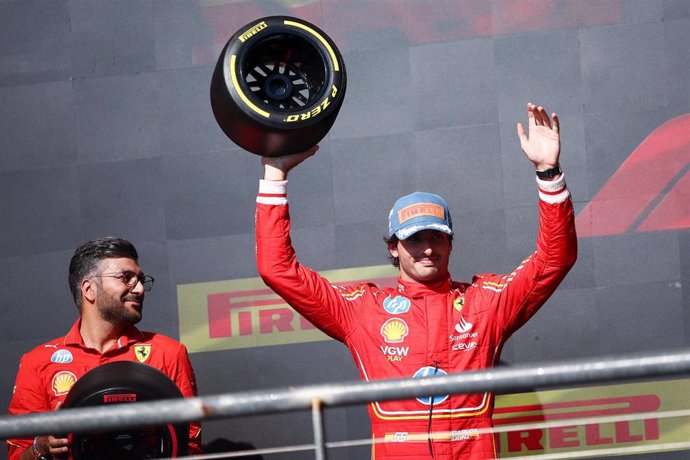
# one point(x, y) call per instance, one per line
point(428, 324)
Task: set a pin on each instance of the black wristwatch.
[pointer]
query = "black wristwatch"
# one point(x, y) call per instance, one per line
point(549, 173)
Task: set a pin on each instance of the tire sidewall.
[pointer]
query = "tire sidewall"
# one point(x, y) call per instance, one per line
point(324, 106)
point(127, 378)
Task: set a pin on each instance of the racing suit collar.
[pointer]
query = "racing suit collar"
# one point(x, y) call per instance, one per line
point(413, 289)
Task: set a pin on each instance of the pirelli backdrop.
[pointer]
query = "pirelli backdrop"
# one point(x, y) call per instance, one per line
point(106, 129)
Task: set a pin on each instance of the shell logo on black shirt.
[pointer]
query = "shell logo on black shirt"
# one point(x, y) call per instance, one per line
point(142, 352)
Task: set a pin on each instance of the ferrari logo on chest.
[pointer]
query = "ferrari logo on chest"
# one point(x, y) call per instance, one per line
point(142, 352)
point(459, 302)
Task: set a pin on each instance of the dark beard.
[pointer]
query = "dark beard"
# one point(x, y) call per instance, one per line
point(113, 311)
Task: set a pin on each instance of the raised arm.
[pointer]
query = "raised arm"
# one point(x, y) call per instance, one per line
point(310, 294)
point(522, 292)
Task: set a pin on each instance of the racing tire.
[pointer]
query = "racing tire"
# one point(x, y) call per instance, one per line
point(278, 86)
point(118, 382)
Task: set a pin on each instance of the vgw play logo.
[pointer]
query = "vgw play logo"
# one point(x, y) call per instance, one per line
point(650, 191)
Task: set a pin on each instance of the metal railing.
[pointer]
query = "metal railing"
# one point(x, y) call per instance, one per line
point(315, 397)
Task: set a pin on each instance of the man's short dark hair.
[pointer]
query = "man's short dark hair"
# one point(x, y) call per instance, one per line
point(392, 241)
point(87, 256)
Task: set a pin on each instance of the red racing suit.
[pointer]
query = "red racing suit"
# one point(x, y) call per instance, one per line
point(418, 330)
point(48, 372)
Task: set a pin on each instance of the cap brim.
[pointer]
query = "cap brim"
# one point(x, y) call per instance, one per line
point(406, 232)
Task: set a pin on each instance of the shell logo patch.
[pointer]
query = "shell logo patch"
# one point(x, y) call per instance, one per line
point(63, 381)
point(142, 352)
point(394, 330)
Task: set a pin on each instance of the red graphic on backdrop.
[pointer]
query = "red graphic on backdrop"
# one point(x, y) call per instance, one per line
point(650, 191)
point(421, 21)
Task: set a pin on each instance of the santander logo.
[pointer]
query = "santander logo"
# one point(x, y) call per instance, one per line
point(650, 191)
point(462, 325)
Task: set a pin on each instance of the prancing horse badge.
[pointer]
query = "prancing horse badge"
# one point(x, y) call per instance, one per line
point(142, 352)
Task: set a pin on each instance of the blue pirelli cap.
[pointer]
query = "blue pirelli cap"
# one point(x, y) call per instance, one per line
point(419, 211)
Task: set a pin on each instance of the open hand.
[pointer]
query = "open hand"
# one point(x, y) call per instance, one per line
point(542, 145)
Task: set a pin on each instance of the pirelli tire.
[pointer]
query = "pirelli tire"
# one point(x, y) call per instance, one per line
point(278, 86)
point(123, 382)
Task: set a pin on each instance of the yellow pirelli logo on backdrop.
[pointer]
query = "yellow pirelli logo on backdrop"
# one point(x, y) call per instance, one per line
point(636, 419)
point(244, 313)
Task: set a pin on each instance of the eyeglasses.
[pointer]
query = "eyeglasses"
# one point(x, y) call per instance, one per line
point(131, 279)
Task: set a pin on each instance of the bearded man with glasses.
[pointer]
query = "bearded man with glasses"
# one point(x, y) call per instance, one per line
point(108, 287)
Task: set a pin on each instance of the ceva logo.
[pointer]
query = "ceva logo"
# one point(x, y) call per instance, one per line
point(650, 191)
